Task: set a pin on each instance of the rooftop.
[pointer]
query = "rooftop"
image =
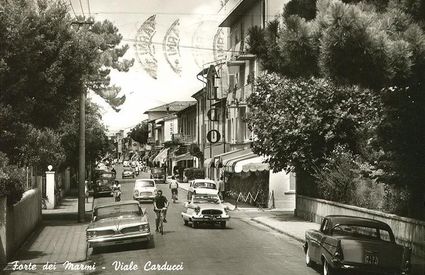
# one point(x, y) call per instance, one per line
point(174, 106)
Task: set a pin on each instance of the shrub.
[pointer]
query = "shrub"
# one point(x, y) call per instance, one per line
point(12, 181)
point(194, 173)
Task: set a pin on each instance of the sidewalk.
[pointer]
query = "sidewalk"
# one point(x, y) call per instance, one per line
point(58, 238)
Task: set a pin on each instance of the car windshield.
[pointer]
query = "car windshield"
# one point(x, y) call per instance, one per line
point(144, 183)
point(207, 185)
point(198, 198)
point(359, 231)
point(117, 210)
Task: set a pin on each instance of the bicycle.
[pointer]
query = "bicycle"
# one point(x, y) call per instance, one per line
point(161, 220)
point(174, 195)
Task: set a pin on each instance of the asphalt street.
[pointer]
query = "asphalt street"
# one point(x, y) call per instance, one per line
point(243, 247)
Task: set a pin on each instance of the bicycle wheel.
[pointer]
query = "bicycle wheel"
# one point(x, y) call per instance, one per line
point(161, 225)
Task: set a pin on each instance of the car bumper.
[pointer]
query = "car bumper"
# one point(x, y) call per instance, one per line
point(117, 240)
point(206, 219)
point(144, 198)
point(355, 268)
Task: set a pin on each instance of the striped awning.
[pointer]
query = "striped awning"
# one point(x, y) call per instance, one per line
point(161, 155)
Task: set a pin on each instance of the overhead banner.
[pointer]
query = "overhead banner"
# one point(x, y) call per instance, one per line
point(171, 47)
point(145, 50)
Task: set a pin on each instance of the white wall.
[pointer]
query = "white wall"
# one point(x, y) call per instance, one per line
point(279, 184)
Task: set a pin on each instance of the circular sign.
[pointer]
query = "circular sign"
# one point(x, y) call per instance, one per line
point(213, 136)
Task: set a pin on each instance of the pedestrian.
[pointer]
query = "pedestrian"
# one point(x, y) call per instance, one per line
point(86, 190)
point(221, 188)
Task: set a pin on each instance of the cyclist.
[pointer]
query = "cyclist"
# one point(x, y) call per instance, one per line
point(159, 202)
point(174, 186)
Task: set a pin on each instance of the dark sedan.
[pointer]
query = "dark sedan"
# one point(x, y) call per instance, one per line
point(357, 245)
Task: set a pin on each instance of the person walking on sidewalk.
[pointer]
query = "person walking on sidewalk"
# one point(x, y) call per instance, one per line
point(221, 188)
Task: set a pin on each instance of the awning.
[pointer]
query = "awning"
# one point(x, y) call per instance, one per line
point(229, 165)
point(161, 156)
point(252, 165)
point(226, 157)
point(186, 156)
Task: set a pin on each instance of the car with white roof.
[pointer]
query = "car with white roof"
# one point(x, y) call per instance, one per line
point(201, 186)
point(144, 190)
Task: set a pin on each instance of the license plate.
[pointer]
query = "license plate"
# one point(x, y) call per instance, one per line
point(371, 259)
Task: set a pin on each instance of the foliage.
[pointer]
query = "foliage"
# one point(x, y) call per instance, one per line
point(303, 8)
point(12, 180)
point(195, 151)
point(298, 122)
point(194, 173)
point(140, 133)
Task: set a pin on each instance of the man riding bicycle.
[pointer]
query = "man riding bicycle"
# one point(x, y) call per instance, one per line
point(174, 186)
point(159, 203)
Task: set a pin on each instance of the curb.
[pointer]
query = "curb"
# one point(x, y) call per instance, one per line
point(278, 230)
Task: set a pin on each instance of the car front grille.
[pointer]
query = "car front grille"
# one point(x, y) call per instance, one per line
point(105, 232)
point(130, 229)
point(145, 194)
point(212, 212)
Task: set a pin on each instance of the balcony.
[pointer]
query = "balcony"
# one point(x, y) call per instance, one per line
point(233, 10)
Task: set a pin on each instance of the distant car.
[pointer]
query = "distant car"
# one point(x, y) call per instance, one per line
point(203, 186)
point(103, 183)
point(355, 244)
point(125, 163)
point(158, 174)
point(127, 173)
point(144, 189)
point(118, 223)
point(205, 208)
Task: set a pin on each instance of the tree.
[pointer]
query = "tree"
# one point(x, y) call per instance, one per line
point(140, 133)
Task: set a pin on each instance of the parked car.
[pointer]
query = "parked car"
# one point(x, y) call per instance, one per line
point(360, 245)
point(158, 174)
point(128, 173)
point(103, 183)
point(205, 208)
point(203, 186)
point(118, 223)
point(144, 189)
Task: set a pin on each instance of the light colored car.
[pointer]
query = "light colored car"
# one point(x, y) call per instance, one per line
point(355, 244)
point(205, 208)
point(118, 223)
point(127, 173)
point(144, 189)
point(201, 186)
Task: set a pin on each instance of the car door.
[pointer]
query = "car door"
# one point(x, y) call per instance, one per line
point(317, 237)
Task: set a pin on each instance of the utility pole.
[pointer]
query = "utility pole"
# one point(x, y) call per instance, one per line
point(82, 145)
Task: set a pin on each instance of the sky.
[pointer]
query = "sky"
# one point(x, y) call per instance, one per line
point(198, 24)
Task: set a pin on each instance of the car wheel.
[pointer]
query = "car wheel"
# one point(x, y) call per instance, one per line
point(308, 260)
point(223, 224)
point(327, 269)
point(186, 222)
point(195, 224)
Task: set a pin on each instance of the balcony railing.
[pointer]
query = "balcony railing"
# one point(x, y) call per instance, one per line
point(185, 139)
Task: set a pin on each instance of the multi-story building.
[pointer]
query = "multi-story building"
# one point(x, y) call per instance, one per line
point(238, 162)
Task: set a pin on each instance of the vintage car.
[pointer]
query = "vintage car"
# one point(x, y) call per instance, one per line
point(128, 173)
point(103, 183)
point(354, 244)
point(144, 189)
point(118, 223)
point(204, 186)
point(205, 208)
point(158, 174)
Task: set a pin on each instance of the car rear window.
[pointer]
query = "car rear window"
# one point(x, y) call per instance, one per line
point(362, 232)
point(145, 183)
point(205, 198)
point(207, 185)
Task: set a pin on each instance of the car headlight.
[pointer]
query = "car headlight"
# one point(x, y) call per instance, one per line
point(91, 234)
point(197, 209)
point(136, 193)
point(226, 210)
point(144, 227)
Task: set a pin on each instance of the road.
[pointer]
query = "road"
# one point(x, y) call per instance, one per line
point(242, 248)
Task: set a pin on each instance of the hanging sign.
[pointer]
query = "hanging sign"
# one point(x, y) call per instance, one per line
point(213, 136)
